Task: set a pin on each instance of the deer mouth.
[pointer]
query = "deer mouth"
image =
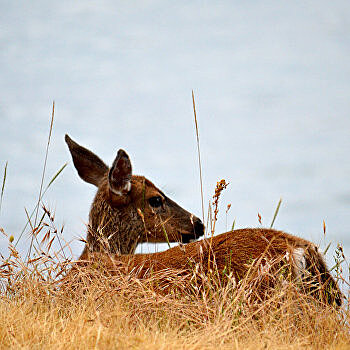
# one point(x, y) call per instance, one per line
point(189, 237)
point(197, 231)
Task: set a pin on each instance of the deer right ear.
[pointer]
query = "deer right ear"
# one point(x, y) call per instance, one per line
point(120, 174)
point(90, 167)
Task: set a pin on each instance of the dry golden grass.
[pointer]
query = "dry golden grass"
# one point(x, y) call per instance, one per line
point(94, 309)
point(41, 307)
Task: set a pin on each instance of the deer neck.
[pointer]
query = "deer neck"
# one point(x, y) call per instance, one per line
point(116, 230)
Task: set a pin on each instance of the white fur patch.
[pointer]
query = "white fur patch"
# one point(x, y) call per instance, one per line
point(232, 279)
point(118, 193)
point(299, 262)
point(126, 188)
point(264, 267)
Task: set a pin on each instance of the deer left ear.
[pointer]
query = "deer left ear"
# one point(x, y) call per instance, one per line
point(119, 176)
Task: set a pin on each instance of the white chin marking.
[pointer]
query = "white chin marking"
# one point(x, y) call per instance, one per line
point(191, 218)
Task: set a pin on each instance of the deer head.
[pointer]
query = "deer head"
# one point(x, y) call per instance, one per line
point(129, 209)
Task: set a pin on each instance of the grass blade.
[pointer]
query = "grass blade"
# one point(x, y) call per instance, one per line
point(233, 225)
point(326, 250)
point(199, 154)
point(276, 212)
point(3, 185)
point(43, 194)
point(164, 231)
point(337, 264)
point(55, 177)
point(45, 162)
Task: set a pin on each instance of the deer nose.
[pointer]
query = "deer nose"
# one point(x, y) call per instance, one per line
point(198, 228)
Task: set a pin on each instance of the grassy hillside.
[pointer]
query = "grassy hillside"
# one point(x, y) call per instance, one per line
point(94, 309)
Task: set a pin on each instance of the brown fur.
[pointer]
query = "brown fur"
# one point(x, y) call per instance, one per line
point(233, 253)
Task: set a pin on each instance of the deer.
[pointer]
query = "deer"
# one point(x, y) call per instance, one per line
point(129, 209)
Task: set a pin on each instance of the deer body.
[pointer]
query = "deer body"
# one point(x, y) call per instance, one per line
point(129, 209)
point(233, 253)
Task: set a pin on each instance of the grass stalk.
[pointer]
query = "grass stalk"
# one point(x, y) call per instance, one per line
point(45, 162)
point(276, 212)
point(199, 154)
point(3, 185)
point(42, 177)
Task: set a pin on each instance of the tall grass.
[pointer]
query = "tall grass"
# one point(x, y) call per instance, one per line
point(99, 309)
point(44, 305)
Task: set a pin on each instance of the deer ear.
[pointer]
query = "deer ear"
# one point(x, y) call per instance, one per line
point(90, 167)
point(120, 174)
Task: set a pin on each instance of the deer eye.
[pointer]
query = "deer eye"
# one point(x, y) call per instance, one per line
point(155, 202)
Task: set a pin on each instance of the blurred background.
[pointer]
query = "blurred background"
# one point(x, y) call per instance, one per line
point(272, 87)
